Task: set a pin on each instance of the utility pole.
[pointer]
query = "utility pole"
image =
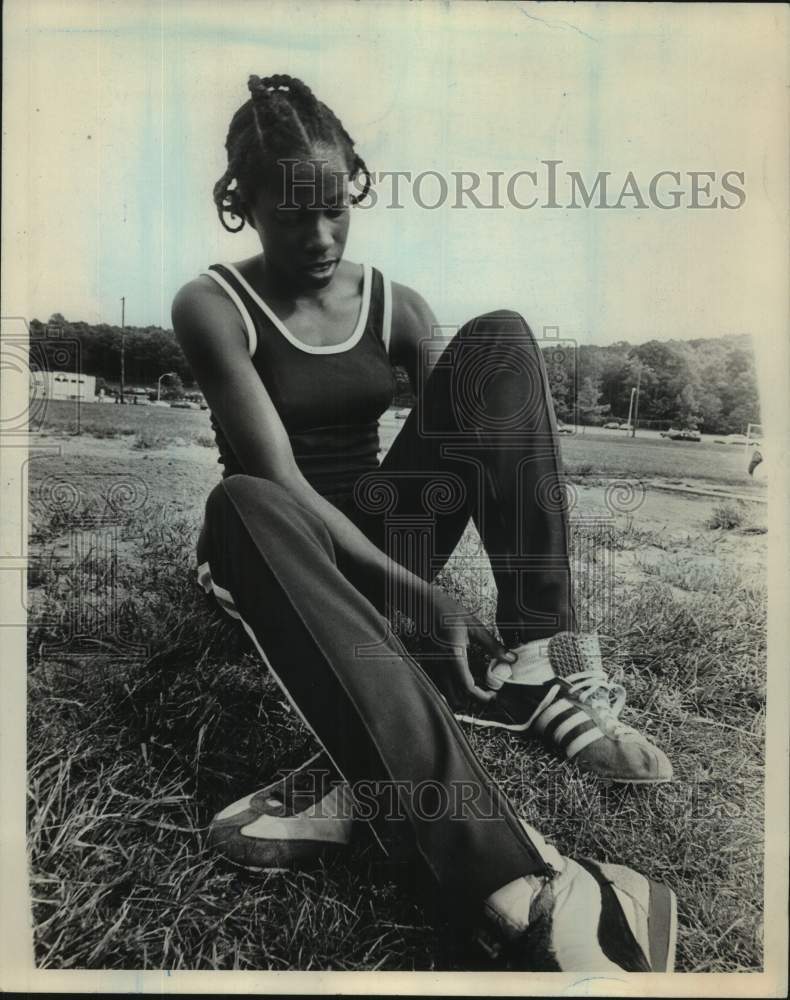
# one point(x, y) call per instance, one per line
point(636, 402)
point(123, 346)
point(631, 409)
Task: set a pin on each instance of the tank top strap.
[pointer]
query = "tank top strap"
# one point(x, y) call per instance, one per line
point(379, 318)
point(240, 297)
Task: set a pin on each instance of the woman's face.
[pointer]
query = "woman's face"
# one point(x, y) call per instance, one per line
point(302, 219)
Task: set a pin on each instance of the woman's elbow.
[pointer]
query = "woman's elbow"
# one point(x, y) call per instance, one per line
point(284, 473)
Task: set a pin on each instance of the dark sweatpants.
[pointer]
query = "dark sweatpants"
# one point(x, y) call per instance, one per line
point(481, 442)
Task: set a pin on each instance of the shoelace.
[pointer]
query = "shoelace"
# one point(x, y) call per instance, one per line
point(594, 689)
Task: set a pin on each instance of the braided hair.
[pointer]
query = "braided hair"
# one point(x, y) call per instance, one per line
point(283, 117)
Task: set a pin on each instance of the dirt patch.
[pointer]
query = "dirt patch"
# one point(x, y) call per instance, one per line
point(670, 539)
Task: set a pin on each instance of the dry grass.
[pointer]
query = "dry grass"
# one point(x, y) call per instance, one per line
point(130, 756)
point(730, 515)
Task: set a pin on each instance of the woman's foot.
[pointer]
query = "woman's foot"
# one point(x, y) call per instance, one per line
point(557, 690)
point(588, 917)
point(291, 822)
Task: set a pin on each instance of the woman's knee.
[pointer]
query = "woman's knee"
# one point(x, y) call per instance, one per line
point(503, 314)
point(243, 491)
point(269, 507)
point(505, 323)
point(261, 489)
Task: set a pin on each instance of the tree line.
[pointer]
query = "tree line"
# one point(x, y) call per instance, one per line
point(708, 383)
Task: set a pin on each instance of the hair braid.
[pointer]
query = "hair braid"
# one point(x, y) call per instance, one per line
point(282, 118)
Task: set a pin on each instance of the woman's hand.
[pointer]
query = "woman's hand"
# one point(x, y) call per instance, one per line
point(452, 628)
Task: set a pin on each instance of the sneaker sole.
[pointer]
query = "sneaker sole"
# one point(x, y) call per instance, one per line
point(663, 927)
point(513, 727)
point(294, 841)
point(660, 904)
point(257, 854)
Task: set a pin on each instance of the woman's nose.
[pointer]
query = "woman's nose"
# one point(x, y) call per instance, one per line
point(321, 235)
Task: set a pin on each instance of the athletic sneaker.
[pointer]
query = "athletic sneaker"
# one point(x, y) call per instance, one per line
point(574, 708)
point(588, 917)
point(294, 821)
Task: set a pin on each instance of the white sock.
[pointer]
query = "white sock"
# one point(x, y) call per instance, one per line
point(510, 906)
point(532, 666)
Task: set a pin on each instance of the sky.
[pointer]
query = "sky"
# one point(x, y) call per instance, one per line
point(117, 114)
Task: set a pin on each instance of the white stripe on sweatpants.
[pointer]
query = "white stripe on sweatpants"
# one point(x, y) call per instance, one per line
point(226, 602)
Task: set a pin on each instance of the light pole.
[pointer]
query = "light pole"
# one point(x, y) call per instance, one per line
point(636, 407)
point(123, 346)
point(159, 384)
point(631, 408)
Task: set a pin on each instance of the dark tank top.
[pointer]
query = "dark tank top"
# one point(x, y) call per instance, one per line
point(328, 398)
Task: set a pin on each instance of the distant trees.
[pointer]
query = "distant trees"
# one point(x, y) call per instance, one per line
point(149, 351)
point(172, 388)
point(710, 383)
point(588, 404)
point(403, 392)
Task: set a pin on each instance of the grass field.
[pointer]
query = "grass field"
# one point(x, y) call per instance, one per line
point(588, 452)
point(149, 711)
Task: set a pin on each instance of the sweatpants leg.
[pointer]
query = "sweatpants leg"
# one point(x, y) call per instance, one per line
point(481, 442)
point(383, 723)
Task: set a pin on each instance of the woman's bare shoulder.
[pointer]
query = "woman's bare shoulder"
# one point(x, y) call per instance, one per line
point(413, 322)
point(196, 292)
point(405, 297)
point(411, 314)
point(201, 308)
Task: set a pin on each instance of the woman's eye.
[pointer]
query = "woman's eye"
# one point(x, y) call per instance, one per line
point(290, 216)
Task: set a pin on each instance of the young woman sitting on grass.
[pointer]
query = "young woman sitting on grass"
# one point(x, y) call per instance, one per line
point(312, 545)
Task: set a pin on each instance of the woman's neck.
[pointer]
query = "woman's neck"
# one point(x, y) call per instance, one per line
point(274, 284)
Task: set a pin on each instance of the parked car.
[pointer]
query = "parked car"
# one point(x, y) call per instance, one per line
point(613, 425)
point(184, 404)
point(686, 434)
point(564, 428)
point(734, 439)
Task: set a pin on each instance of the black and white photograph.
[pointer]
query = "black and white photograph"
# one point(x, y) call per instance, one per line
point(394, 451)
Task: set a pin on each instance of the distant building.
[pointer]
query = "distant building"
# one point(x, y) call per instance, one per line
point(63, 385)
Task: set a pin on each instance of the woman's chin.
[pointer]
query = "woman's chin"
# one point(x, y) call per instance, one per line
point(318, 277)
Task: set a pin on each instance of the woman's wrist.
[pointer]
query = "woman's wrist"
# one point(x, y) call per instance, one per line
point(406, 592)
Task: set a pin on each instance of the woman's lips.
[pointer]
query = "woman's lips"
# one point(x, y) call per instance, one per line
point(320, 267)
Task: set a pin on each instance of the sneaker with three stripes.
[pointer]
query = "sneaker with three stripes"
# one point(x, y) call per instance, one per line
point(557, 690)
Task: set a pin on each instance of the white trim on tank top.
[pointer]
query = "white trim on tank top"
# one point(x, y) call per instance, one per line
point(346, 345)
point(249, 326)
point(386, 326)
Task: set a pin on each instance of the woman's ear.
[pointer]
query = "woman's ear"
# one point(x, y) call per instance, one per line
point(248, 215)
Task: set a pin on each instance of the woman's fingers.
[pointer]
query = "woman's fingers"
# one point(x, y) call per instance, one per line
point(489, 642)
point(467, 679)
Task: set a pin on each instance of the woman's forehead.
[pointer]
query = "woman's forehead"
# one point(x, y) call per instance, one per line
point(319, 179)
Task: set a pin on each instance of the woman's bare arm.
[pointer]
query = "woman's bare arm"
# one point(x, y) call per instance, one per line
point(416, 340)
point(211, 334)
